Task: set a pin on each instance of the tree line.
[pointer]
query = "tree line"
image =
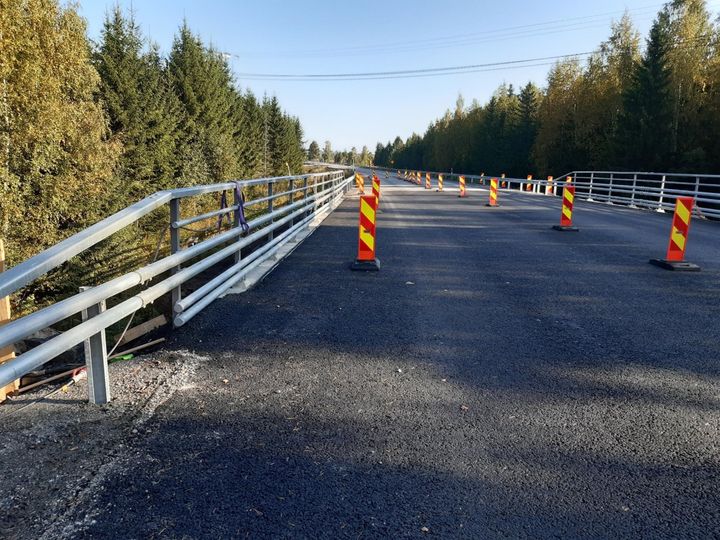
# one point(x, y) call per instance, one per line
point(343, 157)
point(88, 128)
point(651, 109)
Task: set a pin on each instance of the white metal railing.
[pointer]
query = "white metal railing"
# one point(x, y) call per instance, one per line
point(303, 198)
point(648, 190)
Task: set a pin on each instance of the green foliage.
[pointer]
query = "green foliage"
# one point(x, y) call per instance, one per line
point(87, 130)
point(659, 110)
point(57, 156)
point(314, 151)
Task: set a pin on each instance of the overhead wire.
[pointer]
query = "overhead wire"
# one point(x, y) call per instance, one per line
point(438, 71)
point(445, 40)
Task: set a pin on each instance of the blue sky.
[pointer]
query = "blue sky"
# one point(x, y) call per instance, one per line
point(326, 36)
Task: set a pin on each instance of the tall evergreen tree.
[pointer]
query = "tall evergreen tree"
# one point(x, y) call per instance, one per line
point(57, 160)
point(314, 151)
point(202, 81)
point(142, 107)
point(645, 135)
point(328, 156)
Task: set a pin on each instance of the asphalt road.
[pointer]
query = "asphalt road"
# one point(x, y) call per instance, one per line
point(495, 379)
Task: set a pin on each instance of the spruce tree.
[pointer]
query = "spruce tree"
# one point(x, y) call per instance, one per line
point(328, 155)
point(314, 151)
point(645, 134)
point(142, 107)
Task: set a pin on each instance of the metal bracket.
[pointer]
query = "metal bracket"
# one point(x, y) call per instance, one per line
point(96, 359)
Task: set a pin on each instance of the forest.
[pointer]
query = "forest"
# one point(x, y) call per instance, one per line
point(627, 107)
point(88, 128)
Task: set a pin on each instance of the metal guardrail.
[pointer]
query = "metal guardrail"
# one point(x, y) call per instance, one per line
point(647, 190)
point(305, 198)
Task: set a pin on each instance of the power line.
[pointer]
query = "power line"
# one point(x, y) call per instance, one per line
point(444, 41)
point(697, 41)
point(419, 76)
point(402, 73)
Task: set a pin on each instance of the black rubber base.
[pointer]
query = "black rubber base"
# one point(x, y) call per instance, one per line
point(565, 229)
point(492, 205)
point(675, 266)
point(365, 266)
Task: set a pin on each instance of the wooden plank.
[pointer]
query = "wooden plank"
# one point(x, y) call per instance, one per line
point(6, 353)
point(144, 328)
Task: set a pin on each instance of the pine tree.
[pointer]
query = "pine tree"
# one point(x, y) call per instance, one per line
point(252, 152)
point(645, 135)
point(527, 126)
point(202, 82)
point(143, 109)
point(314, 151)
point(328, 156)
point(555, 148)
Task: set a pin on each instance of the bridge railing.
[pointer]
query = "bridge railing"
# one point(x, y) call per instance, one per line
point(648, 190)
point(288, 205)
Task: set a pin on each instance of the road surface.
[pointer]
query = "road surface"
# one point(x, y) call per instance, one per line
point(495, 379)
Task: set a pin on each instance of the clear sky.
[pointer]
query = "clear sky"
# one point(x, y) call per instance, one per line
point(337, 36)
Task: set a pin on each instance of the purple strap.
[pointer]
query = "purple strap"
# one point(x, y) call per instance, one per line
point(240, 200)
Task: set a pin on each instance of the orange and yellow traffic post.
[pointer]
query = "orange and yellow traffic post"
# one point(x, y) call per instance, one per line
point(366, 260)
point(549, 189)
point(440, 182)
point(528, 187)
point(503, 180)
point(428, 183)
point(493, 202)
point(360, 182)
point(675, 259)
point(463, 189)
point(376, 190)
point(567, 210)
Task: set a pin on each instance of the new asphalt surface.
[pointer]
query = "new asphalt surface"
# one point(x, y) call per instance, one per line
point(495, 379)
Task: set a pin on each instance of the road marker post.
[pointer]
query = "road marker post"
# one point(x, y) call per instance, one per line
point(567, 211)
point(529, 186)
point(549, 189)
point(366, 260)
point(376, 190)
point(675, 259)
point(360, 181)
point(428, 183)
point(504, 183)
point(440, 182)
point(493, 202)
point(463, 189)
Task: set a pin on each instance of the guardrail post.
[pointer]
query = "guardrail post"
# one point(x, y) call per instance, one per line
point(291, 197)
point(271, 235)
point(96, 361)
point(590, 197)
point(609, 196)
point(660, 208)
point(697, 188)
point(632, 195)
point(305, 195)
point(174, 247)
